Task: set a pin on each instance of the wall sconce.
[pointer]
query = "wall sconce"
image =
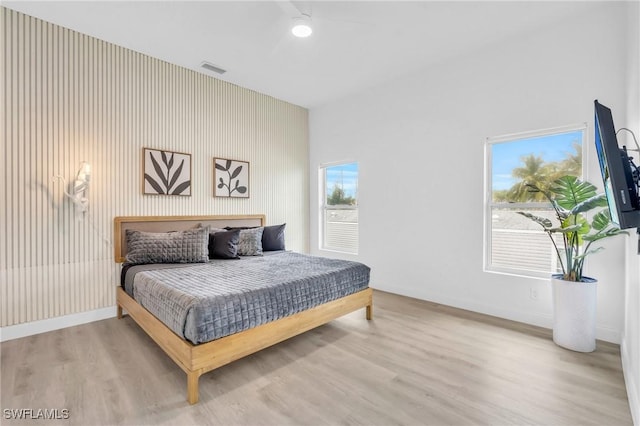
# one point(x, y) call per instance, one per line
point(80, 187)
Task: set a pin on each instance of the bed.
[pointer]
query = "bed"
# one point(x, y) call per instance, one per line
point(223, 342)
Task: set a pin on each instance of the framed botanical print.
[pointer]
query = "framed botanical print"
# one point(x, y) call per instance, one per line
point(166, 172)
point(230, 178)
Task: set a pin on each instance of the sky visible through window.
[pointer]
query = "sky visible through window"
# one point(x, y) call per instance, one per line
point(346, 176)
point(508, 155)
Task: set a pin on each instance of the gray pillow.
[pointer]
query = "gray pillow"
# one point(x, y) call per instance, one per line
point(250, 243)
point(273, 237)
point(223, 244)
point(190, 246)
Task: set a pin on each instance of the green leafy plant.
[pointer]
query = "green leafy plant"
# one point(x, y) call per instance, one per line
point(571, 199)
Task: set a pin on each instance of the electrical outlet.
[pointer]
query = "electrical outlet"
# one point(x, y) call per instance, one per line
point(533, 293)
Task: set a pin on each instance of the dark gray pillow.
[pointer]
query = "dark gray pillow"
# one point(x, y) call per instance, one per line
point(273, 237)
point(224, 244)
point(190, 246)
point(250, 243)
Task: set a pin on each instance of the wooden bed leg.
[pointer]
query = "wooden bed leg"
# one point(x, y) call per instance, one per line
point(192, 387)
point(370, 312)
point(119, 312)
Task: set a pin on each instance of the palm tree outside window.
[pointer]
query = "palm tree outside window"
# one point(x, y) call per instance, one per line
point(511, 162)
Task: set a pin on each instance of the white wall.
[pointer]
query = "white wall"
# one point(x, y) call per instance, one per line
point(630, 346)
point(419, 142)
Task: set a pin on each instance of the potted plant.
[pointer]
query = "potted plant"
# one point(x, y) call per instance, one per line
point(574, 295)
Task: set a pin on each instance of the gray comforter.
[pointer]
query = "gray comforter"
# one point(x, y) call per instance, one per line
point(203, 302)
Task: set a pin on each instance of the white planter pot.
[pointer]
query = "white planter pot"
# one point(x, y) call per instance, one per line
point(574, 314)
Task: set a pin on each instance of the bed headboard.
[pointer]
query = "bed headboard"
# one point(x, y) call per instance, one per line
point(173, 223)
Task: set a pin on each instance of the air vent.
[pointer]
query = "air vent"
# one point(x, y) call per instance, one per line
point(211, 67)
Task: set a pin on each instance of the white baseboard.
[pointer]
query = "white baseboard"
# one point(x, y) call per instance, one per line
point(630, 382)
point(533, 318)
point(36, 327)
point(42, 326)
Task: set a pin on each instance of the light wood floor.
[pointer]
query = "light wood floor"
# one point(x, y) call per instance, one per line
point(416, 363)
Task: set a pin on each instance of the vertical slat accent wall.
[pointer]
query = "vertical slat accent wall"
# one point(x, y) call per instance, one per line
point(67, 97)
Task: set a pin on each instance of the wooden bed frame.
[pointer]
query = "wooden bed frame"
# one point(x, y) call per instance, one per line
point(196, 360)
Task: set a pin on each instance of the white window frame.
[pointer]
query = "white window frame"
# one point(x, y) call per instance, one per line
point(489, 205)
point(322, 170)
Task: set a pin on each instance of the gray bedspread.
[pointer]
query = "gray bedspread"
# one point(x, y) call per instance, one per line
point(203, 302)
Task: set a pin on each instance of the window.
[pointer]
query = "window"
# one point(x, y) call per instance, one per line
point(513, 243)
point(339, 221)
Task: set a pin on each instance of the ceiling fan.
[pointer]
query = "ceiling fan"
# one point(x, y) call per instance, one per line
point(301, 25)
point(298, 22)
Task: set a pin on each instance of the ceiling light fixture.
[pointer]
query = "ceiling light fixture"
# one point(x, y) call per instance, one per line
point(302, 26)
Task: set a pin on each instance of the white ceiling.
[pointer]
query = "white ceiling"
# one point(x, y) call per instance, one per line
point(355, 44)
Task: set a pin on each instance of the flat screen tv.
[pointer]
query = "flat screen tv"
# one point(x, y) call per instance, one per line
point(617, 171)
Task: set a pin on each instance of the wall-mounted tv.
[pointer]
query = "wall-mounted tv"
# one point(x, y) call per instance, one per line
point(617, 171)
